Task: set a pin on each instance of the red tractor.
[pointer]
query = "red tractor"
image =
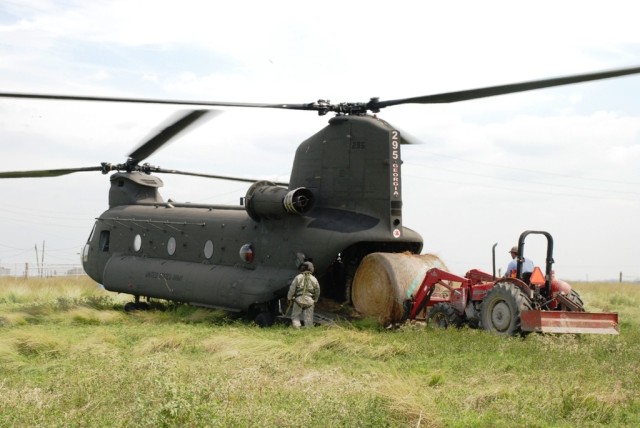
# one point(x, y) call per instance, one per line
point(525, 302)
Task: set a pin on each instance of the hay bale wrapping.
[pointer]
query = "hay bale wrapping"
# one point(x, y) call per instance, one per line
point(383, 281)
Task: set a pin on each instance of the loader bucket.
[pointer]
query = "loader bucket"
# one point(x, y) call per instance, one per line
point(569, 322)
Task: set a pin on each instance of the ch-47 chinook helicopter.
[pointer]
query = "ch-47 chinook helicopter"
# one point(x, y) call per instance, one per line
point(343, 201)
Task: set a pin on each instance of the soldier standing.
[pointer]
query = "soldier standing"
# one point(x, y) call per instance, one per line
point(303, 294)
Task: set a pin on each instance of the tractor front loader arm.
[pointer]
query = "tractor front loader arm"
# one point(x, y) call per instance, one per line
point(420, 299)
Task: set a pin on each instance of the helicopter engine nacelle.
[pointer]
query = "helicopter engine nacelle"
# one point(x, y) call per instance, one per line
point(266, 200)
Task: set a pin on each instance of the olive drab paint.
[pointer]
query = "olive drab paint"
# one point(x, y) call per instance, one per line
point(343, 202)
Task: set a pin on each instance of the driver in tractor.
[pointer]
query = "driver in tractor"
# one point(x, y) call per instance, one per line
point(512, 267)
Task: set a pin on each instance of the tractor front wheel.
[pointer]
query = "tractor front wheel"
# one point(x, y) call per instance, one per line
point(443, 315)
point(501, 308)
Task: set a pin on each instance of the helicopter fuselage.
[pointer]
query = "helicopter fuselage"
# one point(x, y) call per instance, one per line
point(343, 202)
point(211, 257)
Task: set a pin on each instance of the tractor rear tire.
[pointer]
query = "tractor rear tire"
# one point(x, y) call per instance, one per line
point(443, 315)
point(501, 308)
point(575, 298)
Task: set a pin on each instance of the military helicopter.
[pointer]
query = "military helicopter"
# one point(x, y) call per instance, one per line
point(343, 201)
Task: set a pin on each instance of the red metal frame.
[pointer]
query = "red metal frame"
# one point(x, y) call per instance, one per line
point(476, 284)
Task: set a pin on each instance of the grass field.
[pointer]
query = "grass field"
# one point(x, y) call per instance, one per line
point(70, 356)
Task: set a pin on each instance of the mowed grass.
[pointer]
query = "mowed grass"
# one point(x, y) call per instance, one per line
point(70, 356)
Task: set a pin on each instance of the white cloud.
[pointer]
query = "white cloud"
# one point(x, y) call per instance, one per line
point(569, 151)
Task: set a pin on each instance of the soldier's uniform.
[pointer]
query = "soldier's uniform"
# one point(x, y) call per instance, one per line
point(303, 294)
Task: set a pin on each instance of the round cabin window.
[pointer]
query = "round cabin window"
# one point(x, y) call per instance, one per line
point(137, 243)
point(208, 249)
point(171, 246)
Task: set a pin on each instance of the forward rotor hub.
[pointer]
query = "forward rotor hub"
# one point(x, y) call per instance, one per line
point(324, 106)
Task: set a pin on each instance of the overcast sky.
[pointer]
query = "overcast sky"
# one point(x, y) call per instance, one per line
point(563, 160)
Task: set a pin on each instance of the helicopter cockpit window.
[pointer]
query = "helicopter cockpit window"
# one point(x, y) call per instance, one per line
point(137, 243)
point(246, 253)
point(104, 240)
point(208, 249)
point(171, 246)
point(93, 230)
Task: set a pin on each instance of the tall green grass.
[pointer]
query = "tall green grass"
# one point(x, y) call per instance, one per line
point(70, 356)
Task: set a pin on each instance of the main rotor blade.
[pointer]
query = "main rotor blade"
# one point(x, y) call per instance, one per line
point(221, 177)
point(490, 91)
point(308, 106)
point(150, 146)
point(108, 167)
point(323, 106)
point(47, 172)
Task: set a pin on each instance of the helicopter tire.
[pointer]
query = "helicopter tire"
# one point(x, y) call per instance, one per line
point(133, 306)
point(265, 319)
point(350, 272)
point(130, 307)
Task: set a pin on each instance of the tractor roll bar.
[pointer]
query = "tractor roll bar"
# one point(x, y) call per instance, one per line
point(549, 261)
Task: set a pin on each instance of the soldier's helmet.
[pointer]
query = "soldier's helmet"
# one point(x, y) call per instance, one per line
point(306, 267)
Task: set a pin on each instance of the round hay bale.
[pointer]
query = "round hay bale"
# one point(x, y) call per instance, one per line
point(384, 281)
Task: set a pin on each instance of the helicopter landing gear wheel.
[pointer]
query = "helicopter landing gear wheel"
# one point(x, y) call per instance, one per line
point(501, 308)
point(443, 315)
point(265, 319)
point(350, 272)
point(130, 307)
point(136, 305)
